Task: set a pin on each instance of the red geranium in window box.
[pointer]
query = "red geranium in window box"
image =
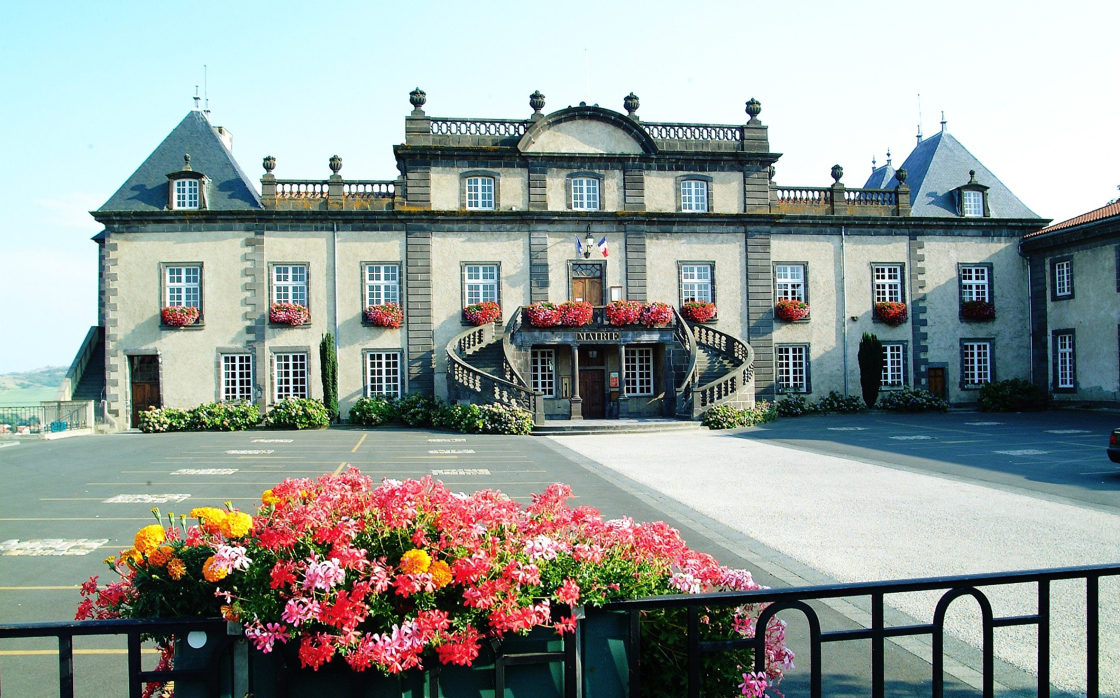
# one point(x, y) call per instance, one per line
point(792, 310)
point(543, 314)
point(389, 315)
point(575, 313)
point(292, 314)
point(980, 311)
point(656, 314)
point(894, 314)
point(699, 311)
point(482, 313)
point(179, 315)
point(621, 313)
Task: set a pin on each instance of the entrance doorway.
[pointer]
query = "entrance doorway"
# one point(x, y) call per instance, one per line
point(587, 282)
point(592, 381)
point(144, 375)
point(937, 382)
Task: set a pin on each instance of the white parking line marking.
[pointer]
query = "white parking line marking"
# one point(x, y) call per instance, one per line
point(249, 452)
point(1067, 431)
point(146, 498)
point(443, 441)
point(847, 428)
point(452, 450)
point(983, 424)
point(51, 546)
point(1023, 452)
point(462, 471)
point(272, 441)
point(917, 437)
point(205, 471)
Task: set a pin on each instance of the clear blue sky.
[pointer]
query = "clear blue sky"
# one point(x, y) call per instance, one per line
point(90, 89)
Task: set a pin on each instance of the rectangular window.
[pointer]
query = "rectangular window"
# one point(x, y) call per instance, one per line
point(480, 193)
point(289, 284)
point(585, 194)
point(383, 284)
point(480, 283)
point(696, 282)
point(383, 373)
point(184, 286)
point(237, 377)
point(542, 365)
point(694, 196)
point(1065, 377)
point(186, 193)
point(976, 360)
point(790, 280)
point(888, 283)
point(793, 369)
point(1063, 278)
point(972, 204)
point(289, 376)
point(975, 284)
point(639, 371)
point(894, 366)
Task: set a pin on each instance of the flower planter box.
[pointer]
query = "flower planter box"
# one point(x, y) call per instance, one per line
point(698, 311)
point(978, 311)
point(893, 314)
point(791, 311)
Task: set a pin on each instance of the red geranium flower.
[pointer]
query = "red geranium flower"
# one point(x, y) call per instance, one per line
point(894, 314)
point(389, 315)
point(179, 315)
point(482, 313)
point(698, 311)
point(792, 310)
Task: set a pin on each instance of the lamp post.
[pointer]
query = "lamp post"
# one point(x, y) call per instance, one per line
point(588, 243)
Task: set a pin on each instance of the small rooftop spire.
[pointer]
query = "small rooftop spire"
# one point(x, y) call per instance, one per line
point(196, 98)
point(943, 121)
point(872, 163)
point(888, 157)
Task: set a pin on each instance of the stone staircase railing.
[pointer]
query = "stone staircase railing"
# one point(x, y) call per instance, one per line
point(687, 341)
point(729, 388)
point(467, 381)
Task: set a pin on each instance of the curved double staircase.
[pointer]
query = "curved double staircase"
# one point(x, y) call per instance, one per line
point(710, 368)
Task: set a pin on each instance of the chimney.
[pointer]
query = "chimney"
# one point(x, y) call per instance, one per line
point(226, 136)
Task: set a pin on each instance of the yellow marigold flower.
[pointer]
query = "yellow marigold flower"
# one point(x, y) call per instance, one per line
point(132, 556)
point(148, 538)
point(228, 613)
point(161, 555)
point(441, 573)
point(176, 568)
point(110, 560)
point(415, 561)
point(210, 517)
point(269, 499)
point(211, 571)
point(236, 524)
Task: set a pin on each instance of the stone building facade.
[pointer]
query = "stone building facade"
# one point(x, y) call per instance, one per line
point(583, 203)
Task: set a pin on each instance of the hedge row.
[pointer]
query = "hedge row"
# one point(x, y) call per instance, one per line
point(417, 410)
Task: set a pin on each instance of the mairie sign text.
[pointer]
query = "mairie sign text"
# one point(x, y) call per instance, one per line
point(598, 336)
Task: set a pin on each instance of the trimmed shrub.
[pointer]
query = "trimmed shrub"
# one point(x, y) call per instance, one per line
point(504, 419)
point(223, 416)
point(328, 365)
point(911, 400)
point(794, 406)
point(297, 413)
point(871, 358)
point(835, 402)
point(1014, 395)
point(728, 417)
point(372, 411)
point(156, 420)
point(462, 418)
point(417, 410)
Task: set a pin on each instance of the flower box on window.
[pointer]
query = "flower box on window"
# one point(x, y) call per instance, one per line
point(621, 313)
point(575, 313)
point(389, 315)
point(791, 310)
point(543, 314)
point(482, 313)
point(978, 311)
point(698, 311)
point(656, 314)
point(893, 314)
point(292, 314)
point(179, 315)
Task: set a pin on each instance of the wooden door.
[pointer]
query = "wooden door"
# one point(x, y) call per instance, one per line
point(144, 373)
point(592, 390)
point(588, 289)
point(937, 382)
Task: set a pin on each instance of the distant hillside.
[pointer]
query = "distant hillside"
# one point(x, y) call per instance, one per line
point(49, 377)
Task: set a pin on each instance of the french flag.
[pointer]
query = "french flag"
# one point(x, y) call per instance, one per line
point(603, 246)
point(579, 246)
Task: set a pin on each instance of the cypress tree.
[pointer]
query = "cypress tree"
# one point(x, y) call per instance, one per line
point(871, 356)
point(328, 364)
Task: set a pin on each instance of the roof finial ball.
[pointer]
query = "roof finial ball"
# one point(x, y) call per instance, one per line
point(269, 163)
point(536, 101)
point(418, 98)
point(186, 161)
point(754, 108)
point(630, 103)
point(335, 164)
point(837, 173)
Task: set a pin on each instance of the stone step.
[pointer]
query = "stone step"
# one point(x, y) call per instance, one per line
point(613, 426)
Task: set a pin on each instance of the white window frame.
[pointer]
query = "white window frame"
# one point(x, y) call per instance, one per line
point(792, 368)
point(1063, 278)
point(289, 284)
point(237, 377)
point(585, 193)
point(975, 284)
point(976, 363)
point(790, 279)
point(187, 194)
point(694, 196)
point(638, 371)
point(480, 283)
point(383, 284)
point(383, 373)
point(290, 376)
point(542, 369)
point(894, 365)
point(183, 285)
point(887, 280)
point(480, 193)
point(696, 283)
point(972, 203)
point(1066, 378)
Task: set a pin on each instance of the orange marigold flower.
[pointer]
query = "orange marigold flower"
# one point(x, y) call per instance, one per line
point(160, 555)
point(148, 538)
point(415, 561)
point(212, 571)
point(132, 556)
point(228, 613)
point(176, 568)
point(269, 499)
point(236, 524)
point(210, 517)
point(441, 573)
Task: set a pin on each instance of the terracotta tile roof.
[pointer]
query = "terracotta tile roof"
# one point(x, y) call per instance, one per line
point(1101, 213)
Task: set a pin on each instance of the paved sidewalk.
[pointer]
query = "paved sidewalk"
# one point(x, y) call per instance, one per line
point(854, 521)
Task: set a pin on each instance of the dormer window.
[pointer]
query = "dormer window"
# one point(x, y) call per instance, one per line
point(186, 193)
point(186, 189)
point(478, 190)
point(972, 198)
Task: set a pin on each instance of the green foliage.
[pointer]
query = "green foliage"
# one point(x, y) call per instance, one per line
point(912, 400)
point(505, 419)
point(223, 416)
point(297, 413)
point(794, 406)
point(372, 411)
point(729, 417)
point(467, 418)
point(416, 410)
point(664, 653)
point(156, 420)
point(328, 364)
point(1013, 395)
point(845, 404)
point(871, 357)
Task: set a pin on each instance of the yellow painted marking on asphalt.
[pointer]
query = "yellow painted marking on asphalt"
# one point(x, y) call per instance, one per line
point(69, 588)
point(39, 653)
point(341, 466)
point(359, 444)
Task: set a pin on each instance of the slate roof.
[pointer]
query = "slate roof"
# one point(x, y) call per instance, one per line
point(880, 176)
point(1108, 211)
point(940, 164)
point(146, 189)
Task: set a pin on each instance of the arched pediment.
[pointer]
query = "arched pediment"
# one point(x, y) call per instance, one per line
point(586, 130)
